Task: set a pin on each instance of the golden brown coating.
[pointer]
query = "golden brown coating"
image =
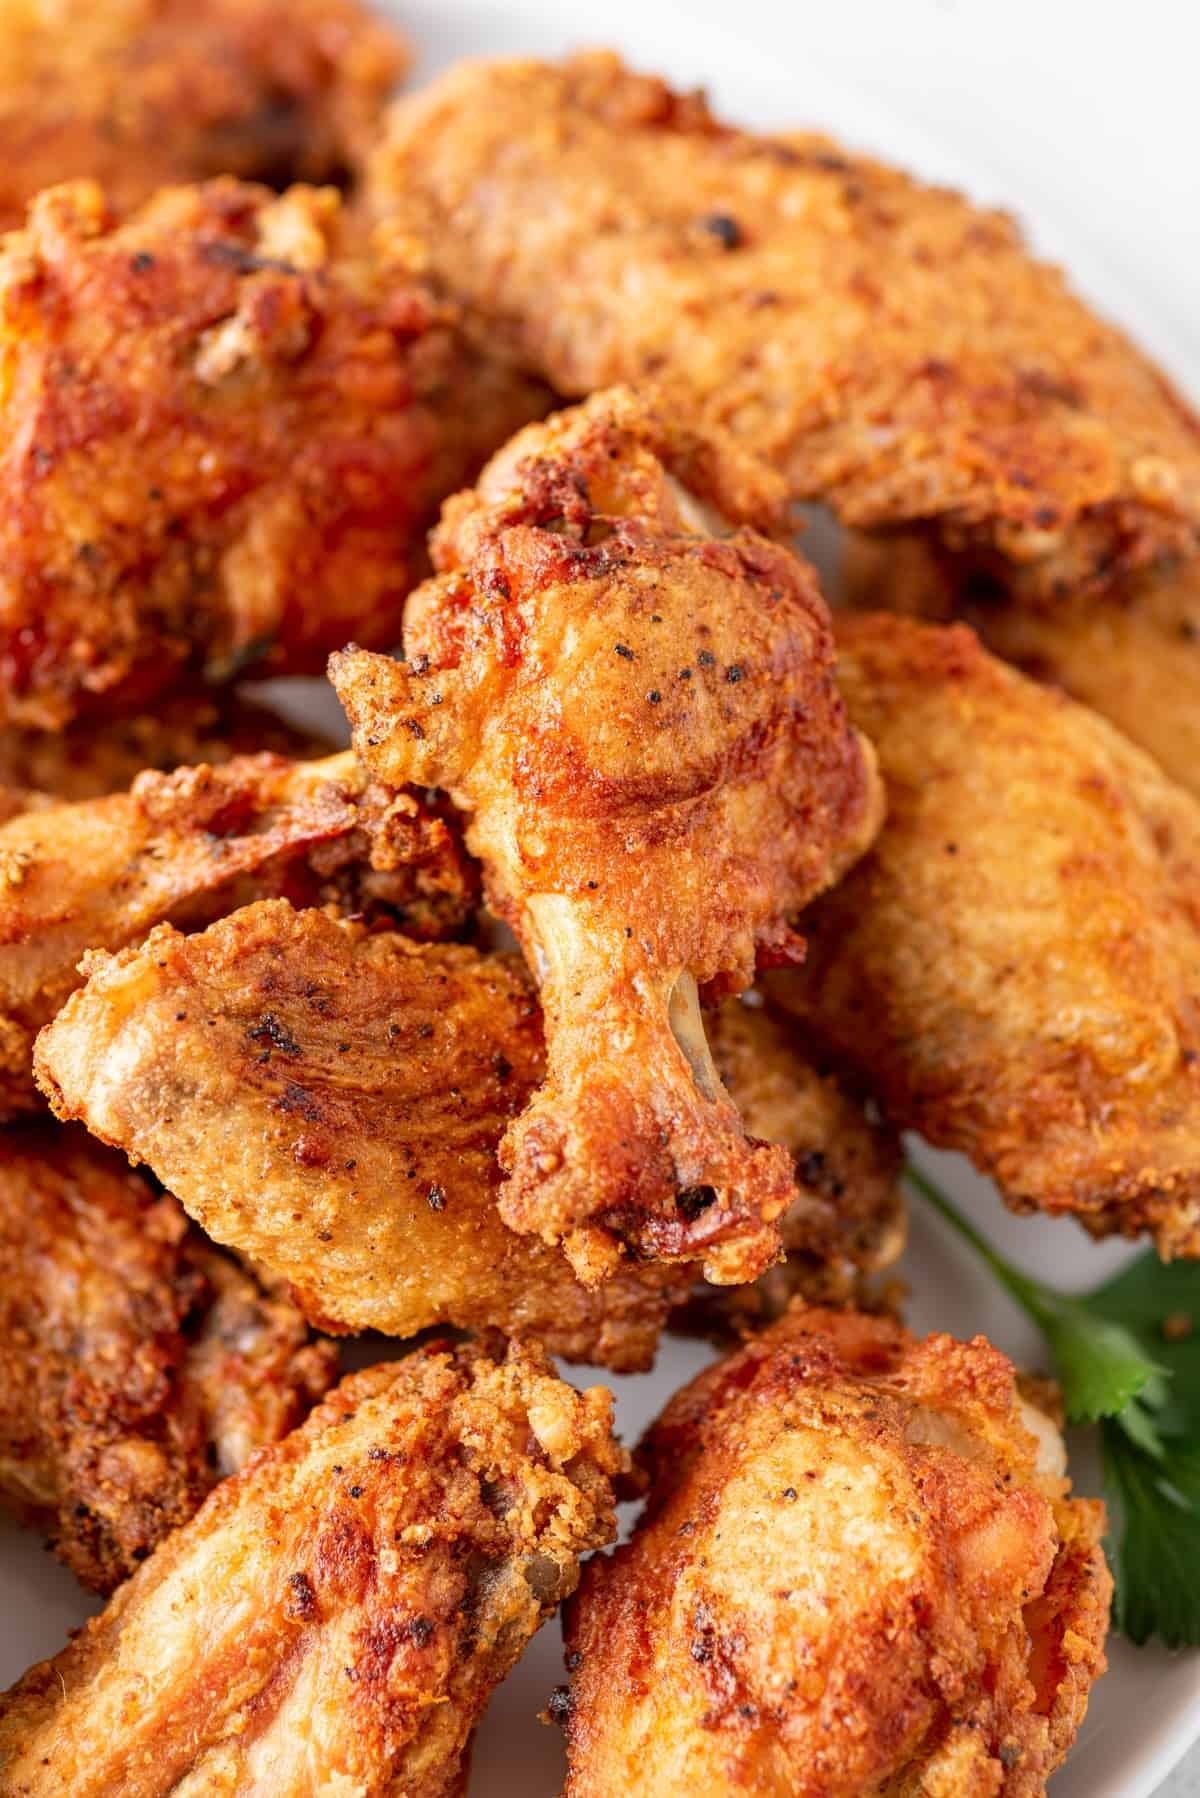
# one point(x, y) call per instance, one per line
point(224, 430)
point(190, 846)
point(896, 351)
point(138, 1365)
point(142, 93)
point(629, 690)
point(86, 763)
point(329, 1102)
point(1132, 654)
point(336, 1616)
point(1016, 967)
point(859, 1572)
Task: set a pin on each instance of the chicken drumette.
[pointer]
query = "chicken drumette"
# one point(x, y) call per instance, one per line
point(189, 847)
point(141, 93)
point(894, 350)
point(859, 1571)
point(630, 692)
point(138, 1365)
point(330, 1102)
point(225, 429)
point(336, 1616)
point(1014, 968)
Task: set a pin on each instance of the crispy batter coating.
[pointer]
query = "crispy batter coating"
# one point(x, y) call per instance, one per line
point(142, 93)
point(336, 1616)
point(1015, 966)
point(86, 763)
point(224, 430)
point(895, 350)
point(630, 692)
point(190, 846)
point(859, 1572)
point(1132, 654)
point(138, 1365)
point(330, 1102)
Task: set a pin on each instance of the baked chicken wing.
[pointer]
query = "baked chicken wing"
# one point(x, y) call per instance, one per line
point(894, 350)
point(189, 847)
point(630, 692)
point(138, 1365)
point(142, 93)
point(223, 435)
point(859, 1571)
point(330, 1102)
point(1132, 654)
point(336, 1616)
point(1016, 967)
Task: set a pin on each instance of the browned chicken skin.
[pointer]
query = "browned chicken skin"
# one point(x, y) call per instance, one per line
point(330, 1102)
point(894, 350)
point(224, 430)
point(138, 1365)
point(629, 691)
point(191, 846)
point(1132, 654)
point(336, 1616)
point(858, 1573)
point(142, 93)
point(1015, 968)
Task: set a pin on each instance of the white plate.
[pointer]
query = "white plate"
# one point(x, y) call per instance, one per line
point(952, 92)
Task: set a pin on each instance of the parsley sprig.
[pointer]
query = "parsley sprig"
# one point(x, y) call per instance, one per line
point(1127, 1357)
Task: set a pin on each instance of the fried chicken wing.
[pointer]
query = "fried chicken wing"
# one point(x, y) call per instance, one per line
point(142, 93)
point(336, 1616)
point(1132, 655)
point(138, 1365)
point(224, 431)
point(859, 1571)
point(330, 1102)
point(896, 351)
point(630, 692)
point(1015, 966)
point(189, 847)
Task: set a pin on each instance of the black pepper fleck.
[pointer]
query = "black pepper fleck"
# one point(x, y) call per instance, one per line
point(654, 696)
point(435, 1198)
point(624, 651)
point(725, 229)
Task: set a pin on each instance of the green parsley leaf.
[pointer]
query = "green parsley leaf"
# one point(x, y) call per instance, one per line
point(1128, 1357)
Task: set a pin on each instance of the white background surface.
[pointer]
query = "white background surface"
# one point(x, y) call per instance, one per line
point(1084, 119)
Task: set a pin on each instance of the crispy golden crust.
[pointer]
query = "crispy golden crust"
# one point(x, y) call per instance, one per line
point(190, 846)
point(1014, 968)
point(223, 437)
point(630, 692)
point(86, 763)
point(137, 1364)
point(142, 93)
point(852, 1577)
point(330, 1102)
point(336, 1616)
point(895, 350)
point(1133, 654)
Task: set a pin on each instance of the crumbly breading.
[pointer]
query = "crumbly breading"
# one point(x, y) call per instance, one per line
point(138, 1365)
point(336, 1616)
point(192, 845)
point(629, 690)
point(859, 1571)
point(1014, 966)
point(1132, 654)
point(226, 425)
point(142, 93)
point(898, 352)
point(329, 1102)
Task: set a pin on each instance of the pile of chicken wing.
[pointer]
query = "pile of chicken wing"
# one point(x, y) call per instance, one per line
point(585, 997)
